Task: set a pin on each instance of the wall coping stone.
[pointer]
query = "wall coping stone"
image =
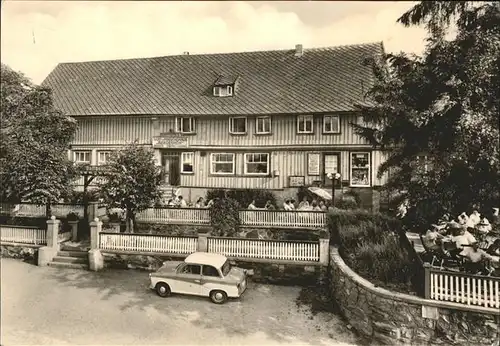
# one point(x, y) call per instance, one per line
point(406, 298)
point(22, 245)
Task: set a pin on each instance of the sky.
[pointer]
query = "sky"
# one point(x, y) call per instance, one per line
point(37, 35)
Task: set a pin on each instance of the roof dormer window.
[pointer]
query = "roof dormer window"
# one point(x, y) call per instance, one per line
point(222, 91)
point(224, 86)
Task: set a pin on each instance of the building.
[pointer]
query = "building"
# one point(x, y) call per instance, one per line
point(272, 120)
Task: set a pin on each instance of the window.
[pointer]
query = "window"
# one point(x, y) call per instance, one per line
point(210, 271)
point(331, 124)
point(222, 91)
point(238, 125)
point(185, 125)
point(257, 164)
point(222, 164)
point(103, 157)
point(263, 125)
point(360, 169)
point(82, 156)
point(194, 269)
point(305, 124)
point(187, 161)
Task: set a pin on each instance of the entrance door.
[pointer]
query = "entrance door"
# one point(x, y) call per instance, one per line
point(330, 165)
point(172, 168)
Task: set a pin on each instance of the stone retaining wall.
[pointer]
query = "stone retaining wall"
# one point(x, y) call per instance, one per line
point(280, 273)
point(19, 251)
point(392, 318)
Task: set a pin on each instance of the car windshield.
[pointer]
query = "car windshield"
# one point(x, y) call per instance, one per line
point(226, 268)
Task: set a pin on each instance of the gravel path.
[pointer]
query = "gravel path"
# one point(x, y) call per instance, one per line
point(55, 306)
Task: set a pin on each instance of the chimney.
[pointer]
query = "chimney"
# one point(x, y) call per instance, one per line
point(185, 53)
point(298, 50)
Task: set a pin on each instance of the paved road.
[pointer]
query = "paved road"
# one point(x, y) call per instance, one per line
point(54, 306)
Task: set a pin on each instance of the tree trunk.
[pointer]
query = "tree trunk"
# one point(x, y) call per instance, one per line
point(48, 210)
point(129, 221)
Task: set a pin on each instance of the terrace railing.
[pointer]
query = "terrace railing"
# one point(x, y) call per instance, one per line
point(33, 210)
point(183, 216)
point(147, 243)
point(265, 249)
point(282, 218)
point(23, 235)
point(462, 288)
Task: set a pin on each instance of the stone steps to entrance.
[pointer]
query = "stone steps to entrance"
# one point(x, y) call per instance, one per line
point(69, 265)
point(70, 259)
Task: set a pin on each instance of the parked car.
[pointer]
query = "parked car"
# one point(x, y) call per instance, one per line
point(201, 274)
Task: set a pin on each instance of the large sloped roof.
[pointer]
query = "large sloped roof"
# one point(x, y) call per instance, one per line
point(268, 82)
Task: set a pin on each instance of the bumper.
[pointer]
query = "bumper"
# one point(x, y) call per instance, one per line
point(243, 287)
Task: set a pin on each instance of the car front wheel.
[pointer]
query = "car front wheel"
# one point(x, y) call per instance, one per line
point(162, 289)
point(218, 297)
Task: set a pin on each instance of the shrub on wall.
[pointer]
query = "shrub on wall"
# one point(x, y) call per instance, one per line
point(346, 203)
point(243, 196)
point(369, 244)
point(225, 217)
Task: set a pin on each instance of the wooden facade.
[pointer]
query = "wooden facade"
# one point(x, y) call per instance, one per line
point(289, 153)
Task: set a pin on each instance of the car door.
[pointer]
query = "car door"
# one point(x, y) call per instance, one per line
point(188, 279)
point(210, 279)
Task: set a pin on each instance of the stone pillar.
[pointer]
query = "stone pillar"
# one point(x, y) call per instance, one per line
point(74, 230)
point(427, 281)
point(202, 242)
point(96, 260)
point(52, 231)
point(92, 210)
point(47, 253)
point(324, 251)
point(95, 229)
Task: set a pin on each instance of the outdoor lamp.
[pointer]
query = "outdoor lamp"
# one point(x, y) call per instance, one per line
point(334, 177)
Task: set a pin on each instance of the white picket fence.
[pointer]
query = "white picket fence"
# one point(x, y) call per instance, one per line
point(464, 288)
point(281, 218)
point(265, 249)
point(147, 243)
point(23, 235)
point(250, 218)
point(188, 216)
point(33, 210)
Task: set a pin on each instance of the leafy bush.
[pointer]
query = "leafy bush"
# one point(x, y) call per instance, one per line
point(76, 197)
point(369, 243)
point(225, 217)
point(72, 216)
point(243, 196)
point(346, 202)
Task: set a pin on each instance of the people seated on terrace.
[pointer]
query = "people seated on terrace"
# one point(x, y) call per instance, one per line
point(474, 218)
point(269, 206)
point(287, 205)
point(181, 202)
point(432, 238)
point(494, 249)
point(210, 203)
point(315, 206)
point(303, 204)
point(475, 259)
point(252, 206)
point(322, 206)
point(463, 218)
point(484, 226)
point(200, 203)
point(460, 236)
point(292, 204)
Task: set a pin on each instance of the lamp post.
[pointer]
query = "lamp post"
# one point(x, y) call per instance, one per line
point(334, 177)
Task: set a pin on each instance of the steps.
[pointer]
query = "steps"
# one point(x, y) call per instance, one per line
point(71, 259)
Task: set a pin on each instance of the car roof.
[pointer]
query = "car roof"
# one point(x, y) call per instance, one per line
point(206, 258)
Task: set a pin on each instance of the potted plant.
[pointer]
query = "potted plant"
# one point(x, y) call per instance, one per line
point(72, 216)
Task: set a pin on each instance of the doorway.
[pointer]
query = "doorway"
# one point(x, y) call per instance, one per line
point(331, 164)
point(170, 161)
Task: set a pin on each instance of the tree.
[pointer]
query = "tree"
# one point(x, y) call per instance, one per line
point(132, 181)
point(34, 143)
point(444, 106)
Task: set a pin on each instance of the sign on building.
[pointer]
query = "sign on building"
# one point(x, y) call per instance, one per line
point(167, 141)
